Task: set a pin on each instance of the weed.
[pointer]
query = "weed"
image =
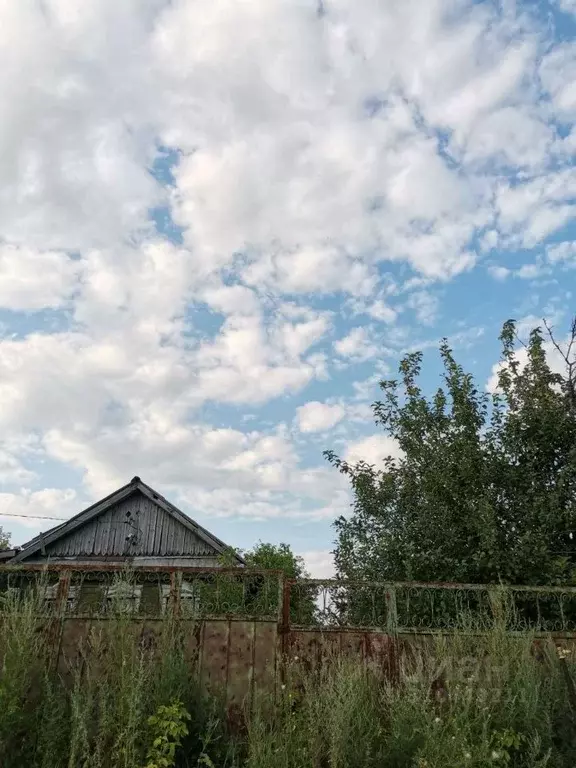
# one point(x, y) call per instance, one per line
point(168, 727)
point(132, 699)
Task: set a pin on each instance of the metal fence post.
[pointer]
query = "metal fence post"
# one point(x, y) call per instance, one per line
point(497, 595)
point(285, 591)
point(175, 591)
point(62, 593)
point(56, 622)
point(391, 611)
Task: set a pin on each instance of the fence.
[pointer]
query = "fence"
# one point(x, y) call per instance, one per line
point(419, 607)
point(266, 595)
point(240, 626)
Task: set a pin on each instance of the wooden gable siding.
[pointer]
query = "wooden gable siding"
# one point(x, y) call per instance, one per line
point(135, 527)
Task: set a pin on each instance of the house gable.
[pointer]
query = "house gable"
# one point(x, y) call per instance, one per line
point(132, 523)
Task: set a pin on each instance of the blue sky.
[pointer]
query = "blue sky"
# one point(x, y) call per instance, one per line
point(221, 225)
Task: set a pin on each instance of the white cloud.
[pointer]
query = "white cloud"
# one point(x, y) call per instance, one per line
point(279, 158)
point(487, 79)
point(545, 221)
point(318, 417)
point(356, 345)
point(320, 563)
point(555, 258)
point(76, 138)
point(558, 75)
point(510, 136)
point(27, 505)
point(425, 305)
point(213, 472)
point(530, 211)
point(499, 272)
point(368, 388)
point(307, 270)
point(297, 338)
point(562, 252)
point(250, 362)
point(231, 299)
point(31, 280)
point(489, 240)
point(530, 271)
point(372, 450)
point(379, 310)
point(12, 469)
point(568, 6)
point(355, 183)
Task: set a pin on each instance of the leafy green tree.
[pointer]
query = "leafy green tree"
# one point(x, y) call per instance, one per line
point(280, 557)
point(4, 540)
point(484, 490)
point(273, 557)
point(276, 557)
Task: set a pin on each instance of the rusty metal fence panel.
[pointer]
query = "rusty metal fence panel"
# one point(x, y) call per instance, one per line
point(418, 607)
point(191, 593)
point(322, 604)
point(229, 656)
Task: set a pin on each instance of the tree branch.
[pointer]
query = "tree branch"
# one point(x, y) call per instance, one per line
point(565, 355)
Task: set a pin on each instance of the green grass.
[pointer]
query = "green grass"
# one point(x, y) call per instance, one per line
point(463, 700)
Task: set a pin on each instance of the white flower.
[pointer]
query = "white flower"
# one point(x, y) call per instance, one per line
point(495, 755)
point(467, 756)
point(295, 658)
point(436, 719)
point(283, 687)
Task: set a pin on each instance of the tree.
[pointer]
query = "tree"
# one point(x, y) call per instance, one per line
point(485, 488)
point(4, 540)
point(279, 557)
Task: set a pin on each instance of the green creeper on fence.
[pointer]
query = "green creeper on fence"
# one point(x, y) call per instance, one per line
point(485, 489)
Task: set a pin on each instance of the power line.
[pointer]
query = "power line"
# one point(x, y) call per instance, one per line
point(32, 517)
point(114, 524)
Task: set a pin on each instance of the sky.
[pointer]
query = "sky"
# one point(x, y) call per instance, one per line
point(222, 224)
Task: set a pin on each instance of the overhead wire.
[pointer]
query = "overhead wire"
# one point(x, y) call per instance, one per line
point(32, 517)
point(113, 524)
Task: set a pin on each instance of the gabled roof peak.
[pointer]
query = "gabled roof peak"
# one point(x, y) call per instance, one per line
point(95, 510)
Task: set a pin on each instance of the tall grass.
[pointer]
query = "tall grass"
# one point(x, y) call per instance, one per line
point(467, 699)
point(95, 711)
point(458, 701)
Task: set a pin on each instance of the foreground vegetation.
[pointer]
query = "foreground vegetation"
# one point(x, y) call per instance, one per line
point(127, 703)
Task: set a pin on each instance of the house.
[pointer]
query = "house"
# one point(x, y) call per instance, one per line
point(134, 530)
point(134, 526)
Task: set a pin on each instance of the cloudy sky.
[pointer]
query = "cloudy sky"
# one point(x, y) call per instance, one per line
point(221, 223)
